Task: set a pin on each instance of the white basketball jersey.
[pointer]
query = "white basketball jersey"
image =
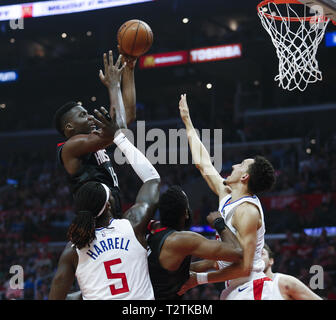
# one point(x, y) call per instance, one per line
point(114, 266)
point(276, 289)
point(227, 210)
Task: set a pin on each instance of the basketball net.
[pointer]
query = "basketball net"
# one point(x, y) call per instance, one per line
point(296, 31)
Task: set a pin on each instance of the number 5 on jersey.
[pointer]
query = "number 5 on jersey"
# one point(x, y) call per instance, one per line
point(111, 275)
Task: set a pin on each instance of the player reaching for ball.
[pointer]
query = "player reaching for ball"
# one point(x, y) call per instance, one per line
point(83, 155)
point(106, 254)
point(241, 210)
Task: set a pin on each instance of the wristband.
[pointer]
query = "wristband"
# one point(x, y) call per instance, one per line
point(219, 225)
point(140, 164)
point(119, 138)
point(202, 278)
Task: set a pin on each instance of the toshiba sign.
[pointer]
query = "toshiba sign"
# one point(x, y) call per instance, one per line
point(193, 56)
point(216, 53)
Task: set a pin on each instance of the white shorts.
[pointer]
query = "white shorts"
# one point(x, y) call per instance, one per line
point(255, 289)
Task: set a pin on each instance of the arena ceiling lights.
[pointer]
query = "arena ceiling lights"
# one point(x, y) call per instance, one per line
point(51, 8)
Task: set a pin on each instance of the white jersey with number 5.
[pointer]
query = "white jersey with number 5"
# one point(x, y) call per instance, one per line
point(114, 266)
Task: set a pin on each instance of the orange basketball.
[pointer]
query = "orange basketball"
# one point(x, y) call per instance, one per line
point(135, 38)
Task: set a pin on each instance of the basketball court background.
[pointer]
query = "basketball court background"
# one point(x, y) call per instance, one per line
point(54, 59)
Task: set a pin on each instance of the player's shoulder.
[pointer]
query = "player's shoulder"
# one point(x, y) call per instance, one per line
point(288, 283)
point(68, 144)
point(246, 212)
point(69, 251)
point(74, 140)
point(286, 279)
point(69, 247)
point(247, 208)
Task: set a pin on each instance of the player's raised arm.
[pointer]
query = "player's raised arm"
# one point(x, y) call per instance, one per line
point(128, 87)
point(199, 153)
point(148, 197)
point(111, 78)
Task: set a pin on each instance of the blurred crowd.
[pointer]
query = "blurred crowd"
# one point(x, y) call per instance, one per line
point(36, 209)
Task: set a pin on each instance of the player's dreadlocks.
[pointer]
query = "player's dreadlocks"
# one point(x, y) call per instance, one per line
point(89, 201)
point(172, 205)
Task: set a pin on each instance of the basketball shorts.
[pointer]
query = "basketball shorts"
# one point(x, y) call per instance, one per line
point(255, 289)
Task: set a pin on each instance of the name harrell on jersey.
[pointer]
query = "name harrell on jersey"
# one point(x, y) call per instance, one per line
point(114, 266)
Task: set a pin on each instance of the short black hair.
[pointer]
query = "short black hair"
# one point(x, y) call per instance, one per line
point(172, 205)
point(262, 175)
point(268, 249)
point(59, 116)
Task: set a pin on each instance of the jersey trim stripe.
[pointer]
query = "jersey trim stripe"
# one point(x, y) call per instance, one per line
point(98, 229)
point(158, 230)
point(258, 286)
point(228, 200)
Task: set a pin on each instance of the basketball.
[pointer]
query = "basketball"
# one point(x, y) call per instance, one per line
point(135, 38)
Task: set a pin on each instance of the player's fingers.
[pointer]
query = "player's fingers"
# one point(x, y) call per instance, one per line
point(180, 102)
point(118, 61)
point(105, 63)
point(119, 49)
point(95, 131)
point(123, 67)
point(101, 75)
point(110, 58)
point(100, 117)
point(105, 113)
point(97, 122)
point(103, 110)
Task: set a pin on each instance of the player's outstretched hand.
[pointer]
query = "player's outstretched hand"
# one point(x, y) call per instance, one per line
point(191, 283)
point(212, 216)
point(184, 109)
point(112, 73)
point(107, 126)
point(130, 61)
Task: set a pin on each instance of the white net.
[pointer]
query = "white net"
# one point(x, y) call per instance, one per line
point(296, 31)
